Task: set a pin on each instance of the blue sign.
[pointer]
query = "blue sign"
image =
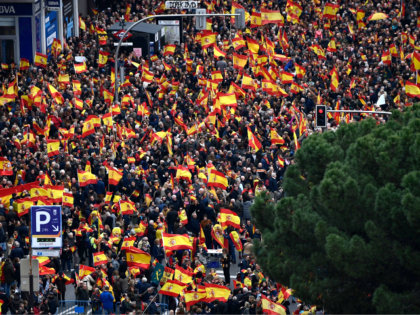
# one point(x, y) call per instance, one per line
point(46, 226)
point(51, 30)
point(38, 32)
point(15, 9)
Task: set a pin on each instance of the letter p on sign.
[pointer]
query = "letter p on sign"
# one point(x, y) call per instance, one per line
point(39, 222)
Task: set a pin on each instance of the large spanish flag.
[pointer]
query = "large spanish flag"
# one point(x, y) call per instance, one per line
point(182, 275)
point(38, 192)
point(217, 292)
point(68, 200)
point(268, 16)
point(41, 60)
point(183, 173)
point(24, 64)
point(176, 242)
point(127, 207)
point(269, 307)
point(80, 68)
point(229, 218)
point(55, 193)
point(53, 147)
point(217, 179)
point(99, 258)
point(85, 178)
point(249, 83)
point(114, 176)
point(416, 60)
point(218, 53)
point(172, 288)
point(193, 297)
point(412, 90)
point(88, 129)
point(238, 43)
point(286, 77)
point(255, 19)
point(58, 98)
point(138, 258)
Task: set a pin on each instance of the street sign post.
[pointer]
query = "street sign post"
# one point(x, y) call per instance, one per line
point(46, 226)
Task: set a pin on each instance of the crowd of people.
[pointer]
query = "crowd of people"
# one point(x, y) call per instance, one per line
point(200, 128)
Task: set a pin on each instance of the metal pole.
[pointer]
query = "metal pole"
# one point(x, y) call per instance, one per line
point(148, 18)
point(31, 276)
point(358, 111)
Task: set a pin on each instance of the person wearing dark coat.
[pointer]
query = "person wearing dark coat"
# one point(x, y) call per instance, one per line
point(45, 310)
point(151, 235)
point(17, 252)
point(9, 275)
point(152, 305)
point(273, 186)
point(123, 267)
point(171, 218)
point(15, 303)
point(60, 282)
point(193, 225)
point(233, 306)
point(117, 287)
point(181, 229)
point(158, 252)
point(52, 303)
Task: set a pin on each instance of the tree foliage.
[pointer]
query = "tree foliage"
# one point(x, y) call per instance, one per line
point(347, 234)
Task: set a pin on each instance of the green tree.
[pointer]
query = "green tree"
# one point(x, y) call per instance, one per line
point(347, 234)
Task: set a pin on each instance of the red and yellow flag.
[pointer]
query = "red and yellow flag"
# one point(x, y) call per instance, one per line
point(217, 179)
point(138, 258)
point(68, 200)
point(217, 292)
point(99, 258)
point(176, 242)
point(182, 275)
point(85, 178)
point(172, 288)
point(229, 218)
point(253, 142)
point(269, 307)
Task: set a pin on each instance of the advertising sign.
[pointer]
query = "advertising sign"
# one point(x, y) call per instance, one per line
point(46, 226)
point(51, 30)
point(68, 18)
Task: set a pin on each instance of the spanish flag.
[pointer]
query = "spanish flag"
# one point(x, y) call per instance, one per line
point(416, 60)
point(24, 64)
point(53, 147)
point(228, 99)
point(55, 193)
point(103, 58)
point(193, 297)
point(172, 288)
point(46, 271)
point(217, 292)
point(85, 178)
point(23, 205)
point(42, 260)
point(249, 83)
point(208, 39)
point(182, 215)
point(127, 207)
point(63, 79)
point(141, 229)
point(128, 242)
point(80, 68)
point(253, 142)
point(183, 173)
point(281, 161)
point(78, 103)
point(38, 192)
point(147, 76)
point(41, 60)
point(330, 10)
point(253, 45)
point(239, 61)
point(255, 19)
point(217, 179)
point(99, 259)
point(169, 50)
point(58, 98)
point(88, 129)
point(68, 200)
point(176, 242)
point(138, 258)
point(114, 176)
point(148, 199)
point(269, 307)
point(218, 53)
point(268, 16)
point(85, 271)
point(234, 236)
point(229, 218)
point(182, 275)
point(286, 77)
point(412, 90)
point(238, 43)
point(217, 234)
point(275, 138)
point(334, 79)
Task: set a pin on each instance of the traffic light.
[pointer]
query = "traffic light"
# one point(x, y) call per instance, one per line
point(321, 116)
point(200, 21)
point(240, 20)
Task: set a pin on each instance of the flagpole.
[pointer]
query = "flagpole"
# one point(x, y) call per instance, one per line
point(157, 293)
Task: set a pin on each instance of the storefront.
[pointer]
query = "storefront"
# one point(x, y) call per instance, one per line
point(17, 30)
point(29, 26)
